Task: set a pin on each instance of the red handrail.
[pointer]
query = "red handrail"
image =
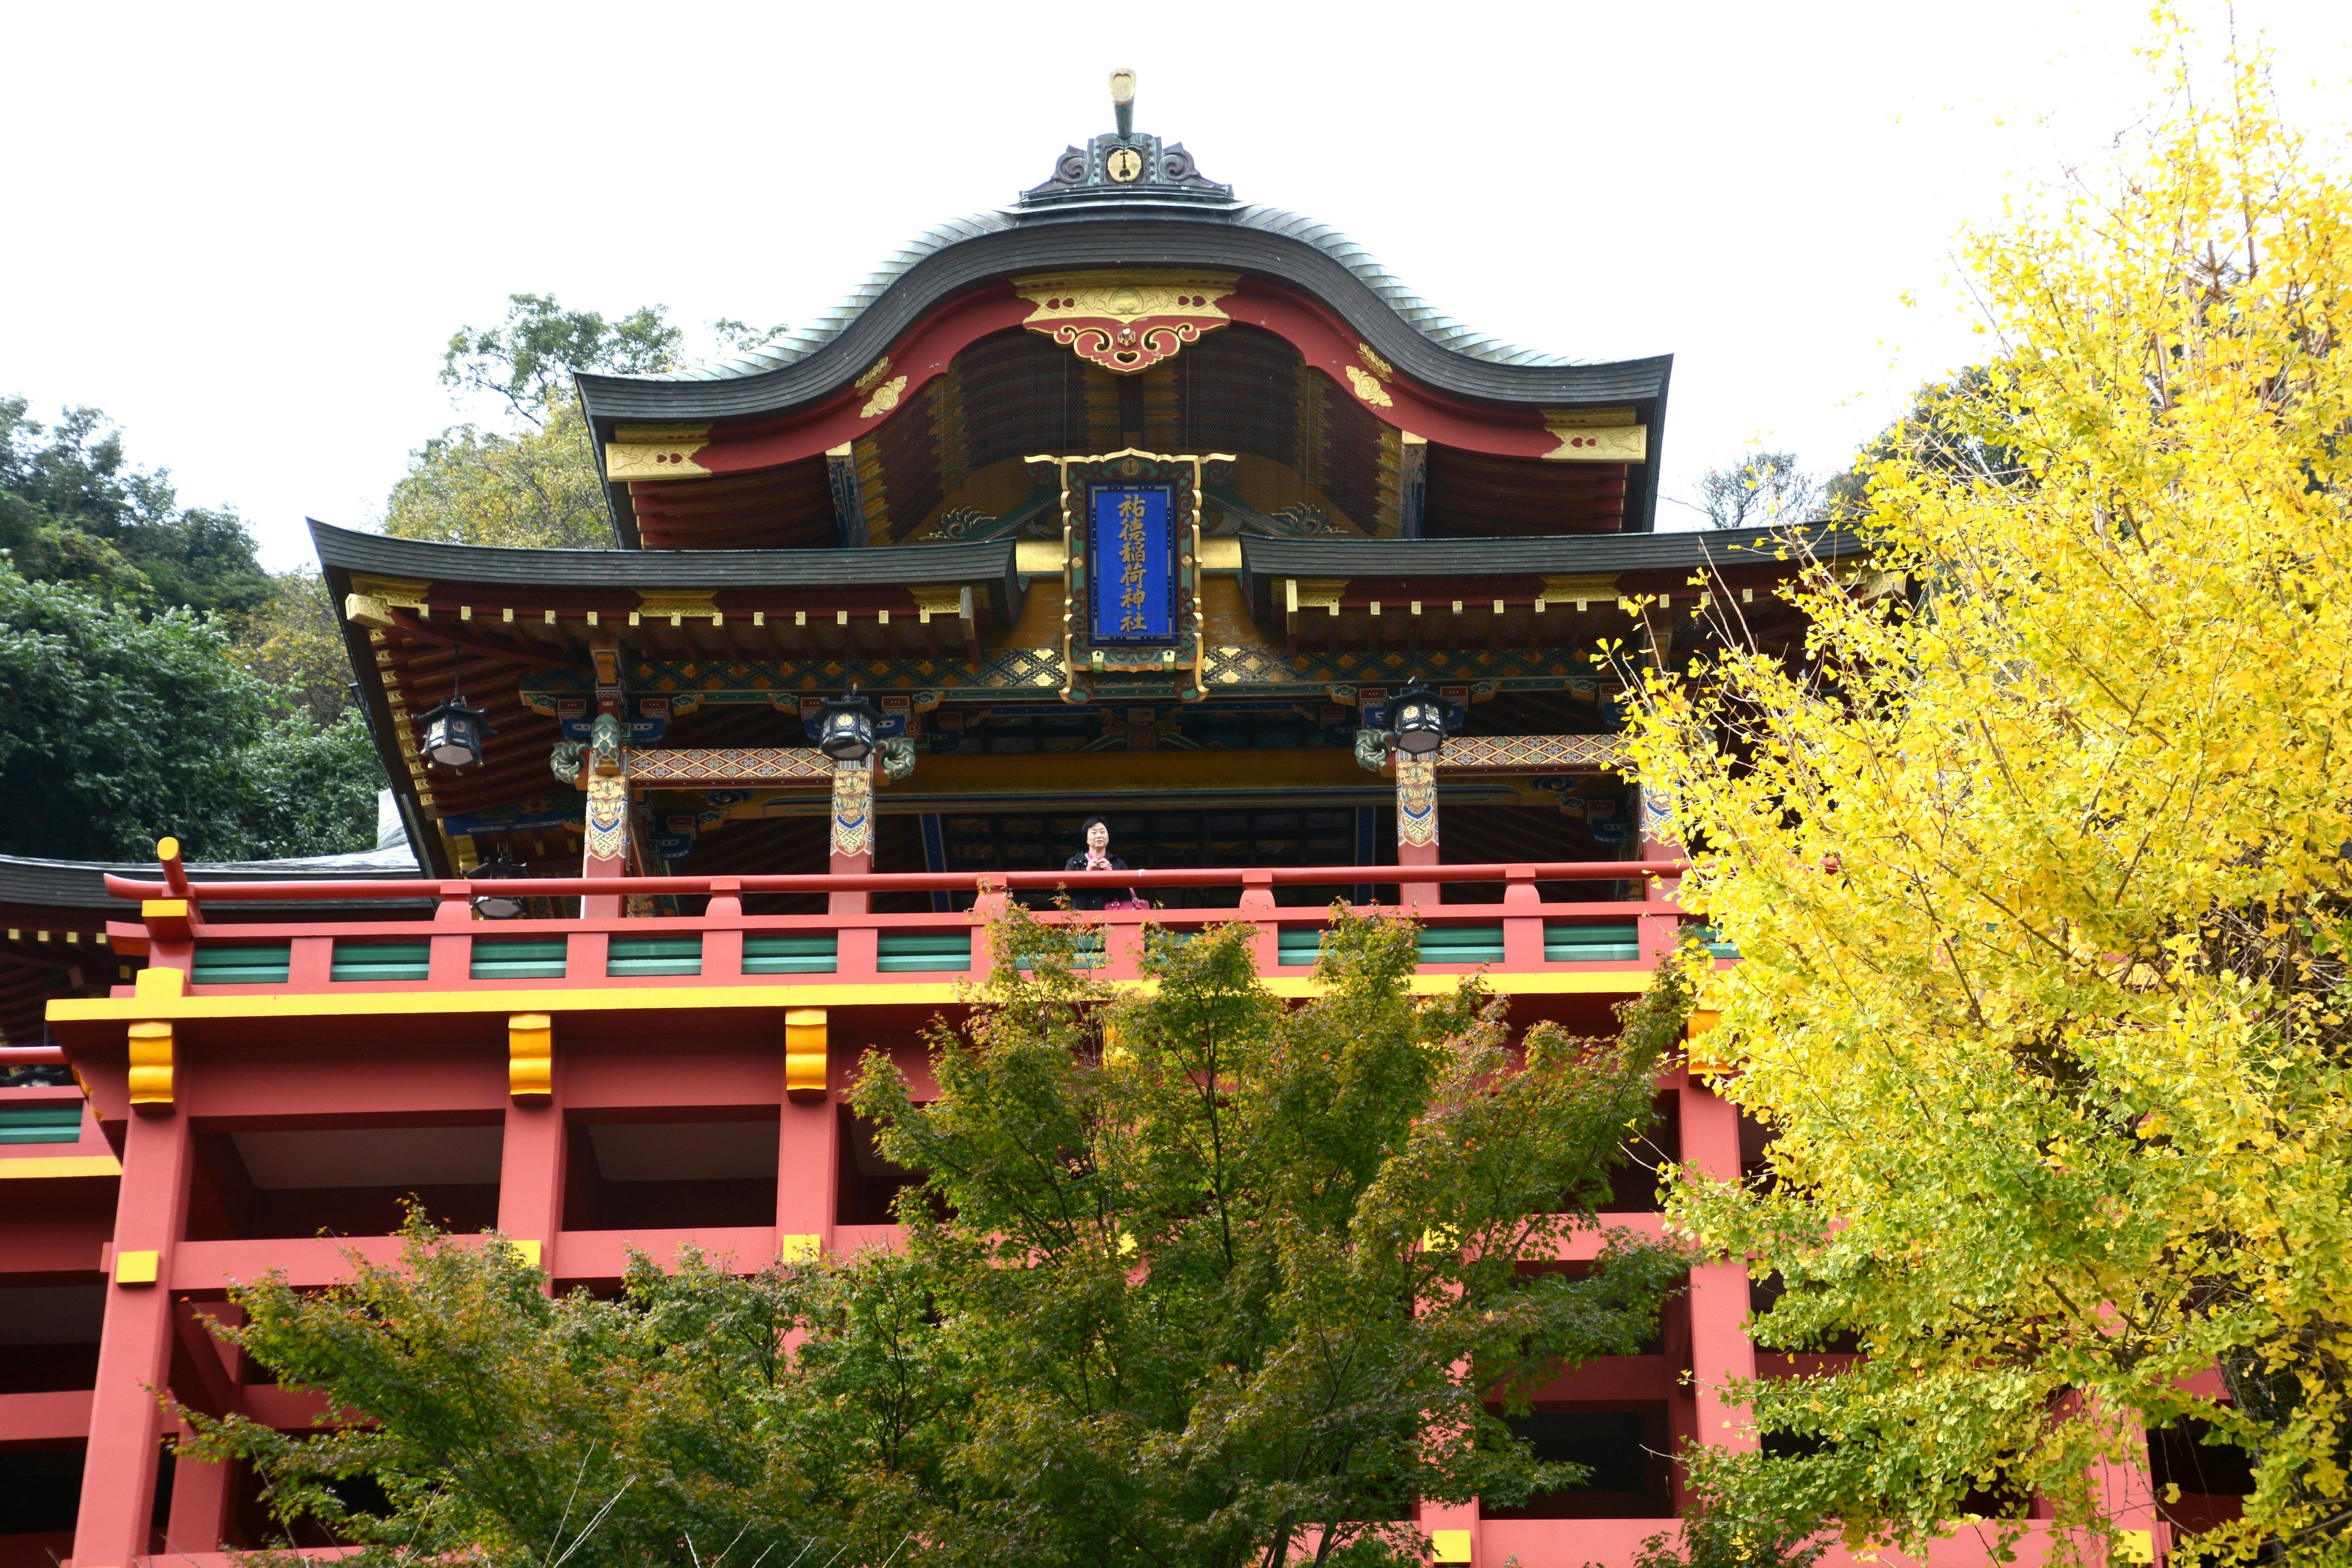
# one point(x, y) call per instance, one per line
point(901, 881)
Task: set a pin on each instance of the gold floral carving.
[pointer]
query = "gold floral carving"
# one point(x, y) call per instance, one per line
point(885, 397)
point(1126, 321)
point(853, 810)
point(608, 818)
point(1372, 362)
point(1416, 797)
point(1605, 443)
point(1368, 388)
point(656, 451)
point(874, 374)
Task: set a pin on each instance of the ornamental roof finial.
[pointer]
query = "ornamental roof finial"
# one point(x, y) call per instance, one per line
point(1122, 100)
point(1124, 164)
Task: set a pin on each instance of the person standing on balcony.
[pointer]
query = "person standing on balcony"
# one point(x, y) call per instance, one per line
point(1096, 856)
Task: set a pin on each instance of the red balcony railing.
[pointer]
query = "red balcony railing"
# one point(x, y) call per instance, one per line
point(428, 934)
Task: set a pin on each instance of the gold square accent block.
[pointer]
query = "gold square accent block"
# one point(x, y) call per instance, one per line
point(804, 1053)
point(135, 1268)
point(1449, 1545)
point(804, 1246)
point(530, 1057)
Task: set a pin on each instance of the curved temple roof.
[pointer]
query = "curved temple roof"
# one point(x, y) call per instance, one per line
point(831, 352)
point(1127, 205)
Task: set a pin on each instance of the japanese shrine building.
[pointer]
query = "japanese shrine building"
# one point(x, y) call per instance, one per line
point(1129, 498)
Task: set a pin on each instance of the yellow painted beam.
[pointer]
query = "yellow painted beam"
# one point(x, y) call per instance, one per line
point(1597, 980)
point(59, 1167)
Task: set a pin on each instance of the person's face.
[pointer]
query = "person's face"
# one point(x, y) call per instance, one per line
point(1098, 837)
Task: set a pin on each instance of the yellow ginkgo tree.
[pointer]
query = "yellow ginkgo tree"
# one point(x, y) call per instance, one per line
point(2041, 868)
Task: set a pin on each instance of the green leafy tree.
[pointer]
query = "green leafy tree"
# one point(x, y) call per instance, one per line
point(528, 359)
point(1193, 1278)
point(2040, 874)
point(535, 485)
point(72, 509)
point(293, 641)
point(117, 728)
point(536, 488)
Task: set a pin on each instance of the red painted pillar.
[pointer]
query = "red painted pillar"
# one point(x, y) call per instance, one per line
point(202, 1492)
point(118, 1490)
point(200, 1503)
point(531, 1149)
point(1720, 1348)
point(808, 1139)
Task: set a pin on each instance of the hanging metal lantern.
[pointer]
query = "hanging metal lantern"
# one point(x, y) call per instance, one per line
point(502, 904)
point(1418, 716)
point(453, 734)
point(844, 729)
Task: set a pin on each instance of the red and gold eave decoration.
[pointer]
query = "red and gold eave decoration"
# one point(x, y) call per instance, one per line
point(1127, 323)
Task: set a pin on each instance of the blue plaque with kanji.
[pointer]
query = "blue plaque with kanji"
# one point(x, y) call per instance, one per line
point(1131, 539)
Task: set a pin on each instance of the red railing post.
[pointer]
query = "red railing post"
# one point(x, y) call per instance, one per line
point(722, 947)
point(1523, 933)
point(1257, 906)
point(453, 954)
point(988, 906)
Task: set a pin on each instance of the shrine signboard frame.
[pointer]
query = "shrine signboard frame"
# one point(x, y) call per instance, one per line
point(1131, 620)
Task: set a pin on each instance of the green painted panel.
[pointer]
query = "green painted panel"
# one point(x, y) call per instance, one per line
point(382, 960)
point(518, 958)
point(1462, 944)
point(54, 1122)
point(1300, 944)
point(1618, 942)
point(629, 956)
point(910, 952)
point(792, 953)
point(263, 964)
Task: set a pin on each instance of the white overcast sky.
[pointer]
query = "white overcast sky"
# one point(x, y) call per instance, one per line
point(245, 234)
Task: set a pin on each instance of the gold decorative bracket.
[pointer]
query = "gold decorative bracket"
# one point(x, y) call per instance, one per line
point(1126, 321)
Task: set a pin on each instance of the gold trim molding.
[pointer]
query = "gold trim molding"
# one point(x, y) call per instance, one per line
point(1598, 444)
point(655, 452)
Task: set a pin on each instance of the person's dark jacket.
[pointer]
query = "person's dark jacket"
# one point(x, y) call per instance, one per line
point(1093, 898)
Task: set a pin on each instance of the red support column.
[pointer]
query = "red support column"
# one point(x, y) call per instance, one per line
point(808, 1140)
point(532, 1151)
point(201, 1492)
point(118, 1492)
point(1720, 1348)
